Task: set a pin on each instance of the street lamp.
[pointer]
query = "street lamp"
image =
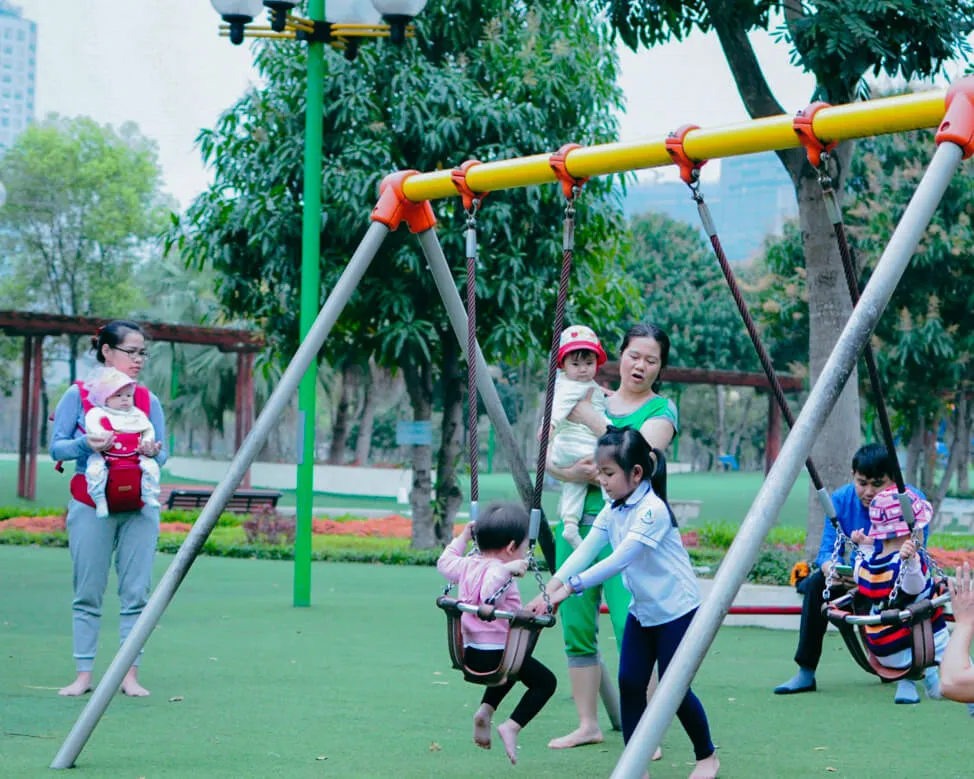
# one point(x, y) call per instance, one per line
point(345, 22)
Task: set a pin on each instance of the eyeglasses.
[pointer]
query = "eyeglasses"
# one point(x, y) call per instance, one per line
point(134, 354)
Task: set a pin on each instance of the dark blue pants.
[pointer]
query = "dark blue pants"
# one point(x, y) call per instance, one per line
point(641, 649)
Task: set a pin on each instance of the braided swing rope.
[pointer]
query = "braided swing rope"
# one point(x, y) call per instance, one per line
point(819, 155)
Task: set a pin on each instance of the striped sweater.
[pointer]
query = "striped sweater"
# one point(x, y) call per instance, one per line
point(876, 572)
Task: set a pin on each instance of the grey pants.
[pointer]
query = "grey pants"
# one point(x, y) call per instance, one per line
point(132, 537)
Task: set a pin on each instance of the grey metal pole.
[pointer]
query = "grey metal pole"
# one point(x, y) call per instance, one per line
point(446, 285)
point(303, 358)
point(762, 514)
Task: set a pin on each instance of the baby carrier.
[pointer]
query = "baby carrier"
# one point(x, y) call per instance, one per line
point(123, 491)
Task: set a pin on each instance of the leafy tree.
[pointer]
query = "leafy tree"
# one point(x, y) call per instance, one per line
point(83, 200)
point(839, 41)
point(483, 80)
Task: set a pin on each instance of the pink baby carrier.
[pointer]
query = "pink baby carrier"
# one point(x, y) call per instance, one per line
point(124, 489)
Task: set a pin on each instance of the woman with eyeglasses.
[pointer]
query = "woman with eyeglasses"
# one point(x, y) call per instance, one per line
point(130, 535)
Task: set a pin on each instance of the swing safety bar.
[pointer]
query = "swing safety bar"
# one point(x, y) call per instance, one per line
point(836, 611)
point(833, 124)
point(488, 613)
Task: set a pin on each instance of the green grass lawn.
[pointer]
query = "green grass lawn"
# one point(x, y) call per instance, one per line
point(359, 685)
point(726, 497)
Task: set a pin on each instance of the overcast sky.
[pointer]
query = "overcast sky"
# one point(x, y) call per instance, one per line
point(161, 64)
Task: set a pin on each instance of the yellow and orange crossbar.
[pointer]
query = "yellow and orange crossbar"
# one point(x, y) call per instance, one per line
point(830, 124)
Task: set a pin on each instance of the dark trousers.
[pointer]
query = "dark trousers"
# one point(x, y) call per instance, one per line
point(814, 624)
point(540, 682)
point(641, 649)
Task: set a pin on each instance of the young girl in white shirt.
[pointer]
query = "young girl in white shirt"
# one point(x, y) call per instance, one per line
point(656, 569)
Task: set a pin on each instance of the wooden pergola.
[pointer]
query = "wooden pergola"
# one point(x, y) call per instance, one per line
point(609, 372)
point(34, 327)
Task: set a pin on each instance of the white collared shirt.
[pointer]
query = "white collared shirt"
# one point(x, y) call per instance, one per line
point(649, 553)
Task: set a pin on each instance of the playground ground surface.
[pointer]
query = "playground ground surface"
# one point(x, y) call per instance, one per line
point(359, 685)
point(725, 497)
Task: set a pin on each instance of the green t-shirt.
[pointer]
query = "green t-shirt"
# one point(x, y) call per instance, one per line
point(657, 407)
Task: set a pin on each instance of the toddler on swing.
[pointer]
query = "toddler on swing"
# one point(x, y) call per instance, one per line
point(501, 535)
point(579, 356)
point(112, 395)
point(888, 556)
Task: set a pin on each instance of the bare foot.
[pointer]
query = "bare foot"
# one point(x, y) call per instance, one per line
point(481, 729)
point(577, 738)
point(131, 686)
point(658, 754)
point(79, 686)
point(706, 768)
point(508, 732)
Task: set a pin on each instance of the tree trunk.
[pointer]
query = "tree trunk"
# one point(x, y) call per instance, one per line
point(449, 496)
point(964, 436)
point(339, 428)
point(721, 396)
point(73, 358)
point(829, 307)
point(914, 450)
point(737, 436)
point(928, 480)
point(363, 444)
point(953, 461)
point(419, 385)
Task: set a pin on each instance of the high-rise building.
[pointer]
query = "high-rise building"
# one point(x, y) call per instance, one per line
point(18, 72)
point(752, 200)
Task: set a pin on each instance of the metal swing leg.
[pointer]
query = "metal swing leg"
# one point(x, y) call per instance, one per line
point(239, 465)
point(445, 284)
point(781, 477)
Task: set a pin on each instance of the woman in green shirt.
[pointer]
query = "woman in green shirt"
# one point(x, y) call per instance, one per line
point(643, 356)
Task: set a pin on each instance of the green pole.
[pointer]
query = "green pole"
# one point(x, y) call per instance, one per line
point(174, 391)
point(310, 283)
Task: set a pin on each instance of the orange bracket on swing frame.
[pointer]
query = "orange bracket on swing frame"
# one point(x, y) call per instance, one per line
point(459, 178)
point(568, 182)
point(394, 207)
point(802, 125)
point(689, 169)
point(958, 123)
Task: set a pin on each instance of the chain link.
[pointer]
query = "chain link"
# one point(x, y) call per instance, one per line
point(830, 576)
point(533, 566)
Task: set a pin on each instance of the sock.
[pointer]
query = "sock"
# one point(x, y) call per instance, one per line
point(970, 709)
point(906, 692)
point(931, 682)
point(805, 678)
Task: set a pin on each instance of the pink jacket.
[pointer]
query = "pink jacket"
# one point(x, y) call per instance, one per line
point(479, 578)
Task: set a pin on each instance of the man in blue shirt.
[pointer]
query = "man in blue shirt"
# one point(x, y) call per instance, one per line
point(872, 471)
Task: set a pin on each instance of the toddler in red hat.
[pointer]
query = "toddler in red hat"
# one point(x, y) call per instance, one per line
point(112, 395)
point(579, 356)
point(892, 572)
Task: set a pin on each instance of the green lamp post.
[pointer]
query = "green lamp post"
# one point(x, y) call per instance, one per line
point(341, 24)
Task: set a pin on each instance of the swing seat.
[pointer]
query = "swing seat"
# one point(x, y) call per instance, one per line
point(525, 630)
point(850, 614)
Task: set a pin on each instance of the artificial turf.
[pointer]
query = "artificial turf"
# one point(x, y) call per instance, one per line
point(359, 685)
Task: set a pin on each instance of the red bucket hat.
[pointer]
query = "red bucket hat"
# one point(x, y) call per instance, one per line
point(886, 514)
point(580, 338)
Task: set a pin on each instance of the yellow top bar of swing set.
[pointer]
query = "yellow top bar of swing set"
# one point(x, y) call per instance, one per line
point(835, 123)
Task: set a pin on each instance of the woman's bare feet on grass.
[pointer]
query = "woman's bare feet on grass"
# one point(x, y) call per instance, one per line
point(131, 686)
point(508, 732)
point(481, 726)
point(658, 754)
point(707, 768)
point(583, 735)
point(79, 686)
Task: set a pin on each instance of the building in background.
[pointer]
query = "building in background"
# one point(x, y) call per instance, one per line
point(752, 200)
point(18, 72)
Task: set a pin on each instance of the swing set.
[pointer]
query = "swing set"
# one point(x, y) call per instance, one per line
point(405, 197)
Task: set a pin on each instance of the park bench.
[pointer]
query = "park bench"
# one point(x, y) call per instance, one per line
point(241, 502)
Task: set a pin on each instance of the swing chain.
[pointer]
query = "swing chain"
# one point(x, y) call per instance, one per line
point(916, 538)
point(825, 179)
point(533, 566)
point(830, 576)
point(472, 213)
point(570, 201)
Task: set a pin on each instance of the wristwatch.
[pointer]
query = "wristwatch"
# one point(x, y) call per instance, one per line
point(576, 585)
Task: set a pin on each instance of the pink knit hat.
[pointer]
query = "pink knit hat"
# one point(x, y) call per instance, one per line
point(578, 338)
point(886, 514)
point(105, 382)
